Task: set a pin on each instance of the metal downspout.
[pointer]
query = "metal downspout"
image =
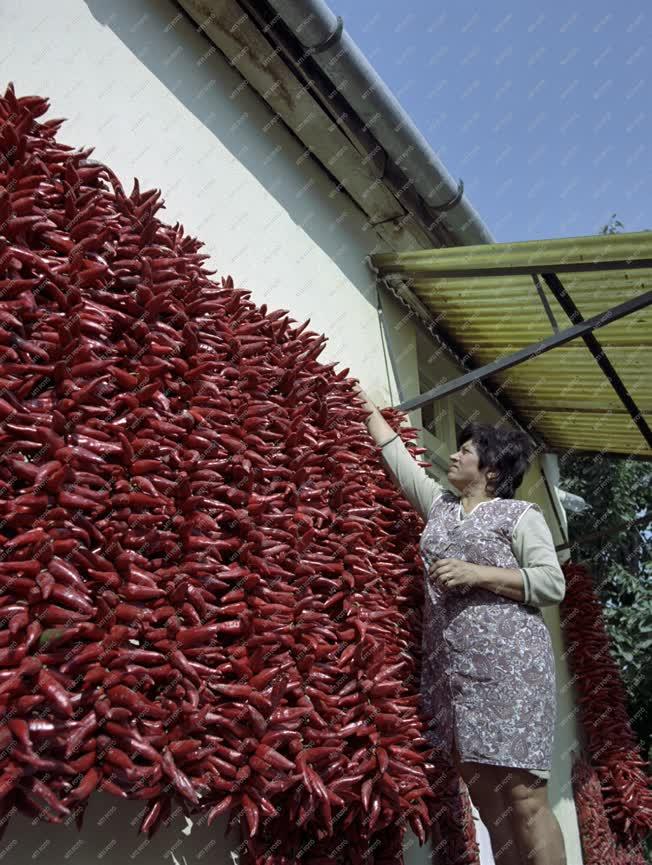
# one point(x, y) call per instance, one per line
point(322, 35)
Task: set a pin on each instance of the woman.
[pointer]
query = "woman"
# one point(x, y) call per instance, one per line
point(488, 670)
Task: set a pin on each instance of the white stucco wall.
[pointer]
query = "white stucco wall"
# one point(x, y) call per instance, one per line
point(135, 81)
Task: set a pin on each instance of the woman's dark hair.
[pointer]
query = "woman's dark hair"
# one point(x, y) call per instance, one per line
point(505, 451)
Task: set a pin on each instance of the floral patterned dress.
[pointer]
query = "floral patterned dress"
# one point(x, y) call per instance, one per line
point(488, 673)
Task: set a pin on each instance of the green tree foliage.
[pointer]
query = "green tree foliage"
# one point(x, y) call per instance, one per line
point(619, 491)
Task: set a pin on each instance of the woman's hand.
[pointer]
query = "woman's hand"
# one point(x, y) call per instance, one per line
point(368, 405)
point(379, 429)
point(449, 573)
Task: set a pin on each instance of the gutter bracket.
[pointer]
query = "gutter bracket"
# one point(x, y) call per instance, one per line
point(331, 40)
point(447, 205)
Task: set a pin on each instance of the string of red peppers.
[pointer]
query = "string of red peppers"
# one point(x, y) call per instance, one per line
point(610, 742)
point(599, 844)
point(207, 582)
point(454, 840)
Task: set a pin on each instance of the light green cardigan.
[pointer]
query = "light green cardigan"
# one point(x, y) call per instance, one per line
point(532, 543)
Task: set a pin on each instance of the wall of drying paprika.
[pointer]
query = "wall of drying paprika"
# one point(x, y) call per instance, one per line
point(264, 213)
point(210, 594)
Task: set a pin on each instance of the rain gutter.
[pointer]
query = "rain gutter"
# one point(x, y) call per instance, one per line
point(321, 34)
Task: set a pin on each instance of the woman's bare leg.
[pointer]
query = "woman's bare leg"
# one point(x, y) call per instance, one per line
point(536, 829)
point(513, 805)
point(486, 795)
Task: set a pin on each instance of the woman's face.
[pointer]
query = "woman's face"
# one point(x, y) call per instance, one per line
point(463, 472)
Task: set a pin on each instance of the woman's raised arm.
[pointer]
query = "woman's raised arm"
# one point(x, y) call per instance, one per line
point(417, 487)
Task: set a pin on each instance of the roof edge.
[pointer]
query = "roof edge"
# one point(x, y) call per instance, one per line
point(322, 36)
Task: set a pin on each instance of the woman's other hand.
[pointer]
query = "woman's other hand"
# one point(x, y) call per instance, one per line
point(450, 573)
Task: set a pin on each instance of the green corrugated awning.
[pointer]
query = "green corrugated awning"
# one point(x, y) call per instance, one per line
point(561, 327)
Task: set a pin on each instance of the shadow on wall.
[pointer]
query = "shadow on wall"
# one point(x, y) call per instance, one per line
point(162, 37)
point(109, 834)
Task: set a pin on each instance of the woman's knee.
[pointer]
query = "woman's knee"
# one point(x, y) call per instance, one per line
point(529, 798)
point(525, 794)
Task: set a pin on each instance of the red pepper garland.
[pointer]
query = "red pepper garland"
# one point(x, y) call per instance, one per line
point(454, 839)
point(599, 845)
point(209, 588)
point(611, 745)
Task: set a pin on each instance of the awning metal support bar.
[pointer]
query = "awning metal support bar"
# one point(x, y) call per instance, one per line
point(422, 314)
point(545, 303)
point(390, 348)
point(570, 308)
point(523, 354)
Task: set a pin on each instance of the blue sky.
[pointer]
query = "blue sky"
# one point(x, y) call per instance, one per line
point(542, 109)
